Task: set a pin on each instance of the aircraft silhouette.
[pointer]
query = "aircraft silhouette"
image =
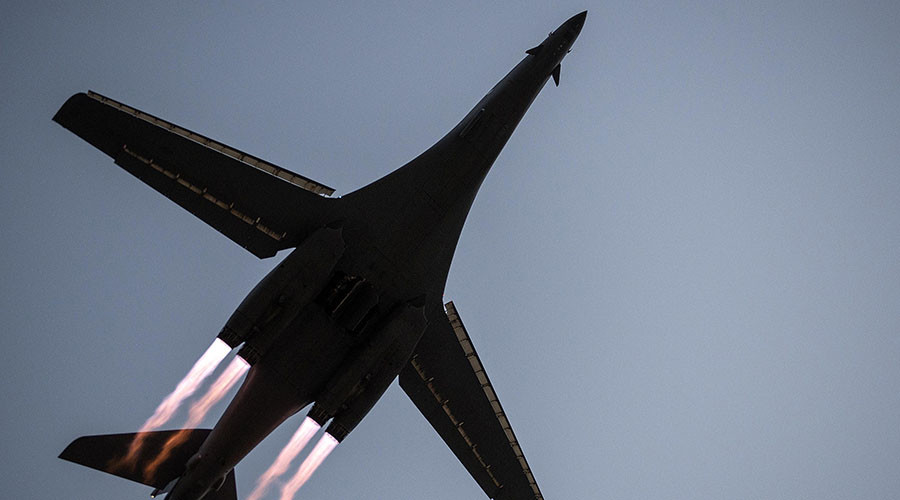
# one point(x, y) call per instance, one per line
point(356, 303)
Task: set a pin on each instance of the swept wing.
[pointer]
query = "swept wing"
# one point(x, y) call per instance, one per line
point(447, 382)
point(260, 206)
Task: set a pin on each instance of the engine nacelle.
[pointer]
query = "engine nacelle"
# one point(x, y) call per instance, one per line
point(280, 296)
point(362, 380)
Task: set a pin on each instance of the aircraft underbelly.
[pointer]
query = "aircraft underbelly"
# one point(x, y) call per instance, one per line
point(308, 352)
point(402, 233)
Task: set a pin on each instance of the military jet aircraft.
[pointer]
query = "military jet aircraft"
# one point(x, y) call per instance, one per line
point(354, 305)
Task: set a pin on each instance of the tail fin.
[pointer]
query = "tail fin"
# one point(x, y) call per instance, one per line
point(104, 452)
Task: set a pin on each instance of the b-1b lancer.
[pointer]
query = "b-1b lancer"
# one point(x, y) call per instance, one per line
point(355, 304)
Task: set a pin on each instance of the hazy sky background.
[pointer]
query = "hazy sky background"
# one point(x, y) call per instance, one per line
point(682, 274)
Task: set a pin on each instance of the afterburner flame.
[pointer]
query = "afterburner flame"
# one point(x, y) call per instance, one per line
point(204, 366)
point(236, 369)
point(298, 441)
point(309, 466)
point(200, 408)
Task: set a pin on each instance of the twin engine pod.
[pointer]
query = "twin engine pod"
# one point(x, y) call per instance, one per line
point(369, 370)
point(277, 300)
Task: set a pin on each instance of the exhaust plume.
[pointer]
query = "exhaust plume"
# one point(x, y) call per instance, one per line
point(204, 366)
point(309, 466)
point(200, 408)
point(298, 441)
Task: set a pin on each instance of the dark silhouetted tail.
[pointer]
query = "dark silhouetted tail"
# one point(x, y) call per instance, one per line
point(105, 453)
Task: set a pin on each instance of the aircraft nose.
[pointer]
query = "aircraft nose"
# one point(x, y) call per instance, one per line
point(576, 22)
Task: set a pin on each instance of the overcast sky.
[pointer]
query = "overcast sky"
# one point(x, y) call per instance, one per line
point(682, 273)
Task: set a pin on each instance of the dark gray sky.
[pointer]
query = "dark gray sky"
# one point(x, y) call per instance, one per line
point(682, 273)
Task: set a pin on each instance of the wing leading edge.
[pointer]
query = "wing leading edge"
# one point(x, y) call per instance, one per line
point(448, 384)
point(260, 206)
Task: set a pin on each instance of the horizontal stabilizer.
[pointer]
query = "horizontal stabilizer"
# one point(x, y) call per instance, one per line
point(556, 74)
point(105, 453)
